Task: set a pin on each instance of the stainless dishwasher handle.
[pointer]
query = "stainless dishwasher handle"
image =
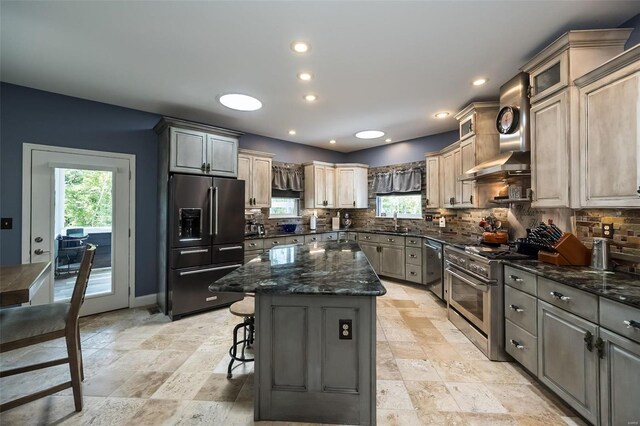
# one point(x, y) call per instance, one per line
point(194, 251)
point(230, 248)
point(202, 271)
point(632, 324)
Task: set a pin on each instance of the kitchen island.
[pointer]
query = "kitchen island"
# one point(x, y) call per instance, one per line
point(315, 332)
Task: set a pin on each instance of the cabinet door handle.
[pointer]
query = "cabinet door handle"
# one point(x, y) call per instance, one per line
point(516, 278)
point(427, 200)
point(40, 251)
point(632, 324)
point(203, 167)
point(516, 308)
point(600, 347)
point(560, 296)
point(471, 199)
point(588, 340)
point(208, 167)
point(516, 344)
point(354, 204)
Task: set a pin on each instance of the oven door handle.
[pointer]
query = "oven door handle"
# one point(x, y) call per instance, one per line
point(481, 287)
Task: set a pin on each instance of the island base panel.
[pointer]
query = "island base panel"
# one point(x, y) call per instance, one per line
point(307, 370)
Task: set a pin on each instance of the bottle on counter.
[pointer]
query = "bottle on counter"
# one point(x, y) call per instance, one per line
point(313, 221)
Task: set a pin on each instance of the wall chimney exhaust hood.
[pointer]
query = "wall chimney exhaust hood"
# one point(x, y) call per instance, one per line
point(512, 124)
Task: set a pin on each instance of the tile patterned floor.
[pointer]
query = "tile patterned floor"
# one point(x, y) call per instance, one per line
point(142, 369)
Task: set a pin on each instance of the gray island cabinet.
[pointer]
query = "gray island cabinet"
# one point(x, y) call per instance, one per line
point(315, 332)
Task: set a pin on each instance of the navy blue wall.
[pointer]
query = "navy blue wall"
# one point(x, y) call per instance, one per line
point(34, 116)
point(635, 35)
point(403, 152)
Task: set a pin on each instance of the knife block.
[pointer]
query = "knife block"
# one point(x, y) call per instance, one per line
point(569, 251)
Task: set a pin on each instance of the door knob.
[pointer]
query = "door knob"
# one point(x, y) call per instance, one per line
point(40, 251)
point(38, 239)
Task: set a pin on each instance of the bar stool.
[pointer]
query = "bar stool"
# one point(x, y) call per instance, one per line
point(246, 309)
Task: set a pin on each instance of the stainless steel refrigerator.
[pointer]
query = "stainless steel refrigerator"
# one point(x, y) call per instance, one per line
point(205, 241)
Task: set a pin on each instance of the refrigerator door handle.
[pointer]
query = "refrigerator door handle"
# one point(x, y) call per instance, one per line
point(216, 228)
point(202, 271)
point(211, 210)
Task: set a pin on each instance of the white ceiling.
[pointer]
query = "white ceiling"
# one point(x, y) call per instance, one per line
point(377, 65)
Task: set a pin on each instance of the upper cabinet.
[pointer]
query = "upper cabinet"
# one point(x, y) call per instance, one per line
point(433, 200)
point(448, 176)
point(319, 185)
point(255, 169)
point(554, 110)
point(351, 186)
point(198, 149)
point(609, 141)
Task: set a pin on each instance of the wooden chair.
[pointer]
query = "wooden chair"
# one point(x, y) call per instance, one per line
point(30, 325)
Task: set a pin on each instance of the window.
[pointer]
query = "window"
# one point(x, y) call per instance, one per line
point(284, 207)
point(407, 206)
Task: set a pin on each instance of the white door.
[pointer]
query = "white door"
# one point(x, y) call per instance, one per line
point(75, 200)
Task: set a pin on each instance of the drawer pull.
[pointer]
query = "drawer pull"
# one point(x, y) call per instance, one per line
point(516, 344)
point(632, 324)
point(209, 299)
point(588, 340)
point(516, 278)
point(413, 256)
point(412, 241)
point(412, 273)
point(193, 251)
point(516, 308)
point(230, 248)
point(252, 245)
point(390, 240)
point(295, 240)
point(202, 271)
point(329, 237)
point(275, 242)
point(560, 296)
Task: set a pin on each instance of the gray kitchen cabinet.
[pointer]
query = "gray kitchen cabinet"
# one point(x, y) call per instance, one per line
point(468, 161)
point(222, 156)
point(188, 147)
point(619, 379)
point(188, 150)
point(319, 185)
point(255, 169)
point(372, 252)
point(433, 199)
point(352, 236)
point(392, 261)
point(448, 184)
point(351, 186)
point(568, 359)
point(330, 236)
point(296, 239)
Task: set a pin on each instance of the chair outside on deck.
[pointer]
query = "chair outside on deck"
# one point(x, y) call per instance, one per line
point(30, 325)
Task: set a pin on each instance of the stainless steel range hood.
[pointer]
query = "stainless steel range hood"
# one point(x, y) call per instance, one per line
point(514, 158)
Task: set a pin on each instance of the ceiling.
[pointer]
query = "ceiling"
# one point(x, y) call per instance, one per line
point(377, 65)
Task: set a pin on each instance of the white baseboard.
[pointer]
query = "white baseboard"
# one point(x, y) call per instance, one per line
point(146, 300)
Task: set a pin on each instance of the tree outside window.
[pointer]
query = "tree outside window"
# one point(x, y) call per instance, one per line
point(408, 206)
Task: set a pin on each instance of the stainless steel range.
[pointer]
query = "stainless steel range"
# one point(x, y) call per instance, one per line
point(473, 278)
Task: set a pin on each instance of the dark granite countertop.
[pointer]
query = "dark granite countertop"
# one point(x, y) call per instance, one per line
point(336, 267)
point(619, 286)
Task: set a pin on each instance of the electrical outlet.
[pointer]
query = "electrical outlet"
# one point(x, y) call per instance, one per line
point(346, 329)
point(428, 218)
point(607, 230)
point(6, 223)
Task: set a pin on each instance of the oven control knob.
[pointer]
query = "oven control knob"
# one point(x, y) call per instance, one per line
point(483, 271)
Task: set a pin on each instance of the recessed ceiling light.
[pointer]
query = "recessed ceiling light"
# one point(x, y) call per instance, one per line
point(300, 47)
point(369, 134)
point(332, 141)
point(480, 81)
point(387, 140)
point(443, 114)
point(310, 98)
point(240, 102)
point(305, 76)
point(292, 132)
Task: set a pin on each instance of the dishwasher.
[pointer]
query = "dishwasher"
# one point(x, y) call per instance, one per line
point(433, 268)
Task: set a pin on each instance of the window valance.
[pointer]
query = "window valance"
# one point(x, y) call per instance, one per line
point(397, 181)
point(287, 179)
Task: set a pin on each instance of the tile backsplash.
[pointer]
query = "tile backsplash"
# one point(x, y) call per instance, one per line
point(585, 224)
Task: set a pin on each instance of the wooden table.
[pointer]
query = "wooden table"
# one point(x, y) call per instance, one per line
point(18, 283)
